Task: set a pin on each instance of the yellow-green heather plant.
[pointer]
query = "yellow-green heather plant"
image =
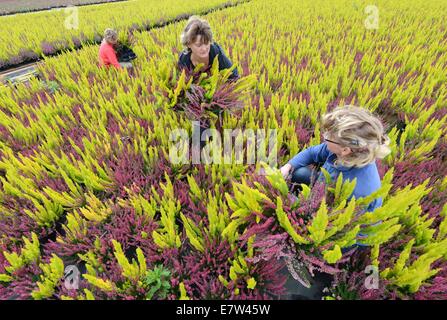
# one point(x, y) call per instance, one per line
point(73, 156)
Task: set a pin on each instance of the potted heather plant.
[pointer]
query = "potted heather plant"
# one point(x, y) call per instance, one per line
point(206, 96)
point(124, 50)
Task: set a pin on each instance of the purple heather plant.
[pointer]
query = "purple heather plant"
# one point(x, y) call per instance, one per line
point(15, 226)
point(128, 170)
point(47, 48)
point(75, 133)
point(56, 183)
point(23, 285)
point(200, 271)
point(15, 60)
point(407, 172)
point(77, 43)
point(28, 55)
point(303, 134)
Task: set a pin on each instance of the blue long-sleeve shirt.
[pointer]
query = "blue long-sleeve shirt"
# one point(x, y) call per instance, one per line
point(368, 179)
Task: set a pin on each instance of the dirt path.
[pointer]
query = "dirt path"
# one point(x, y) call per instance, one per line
point(19, 74)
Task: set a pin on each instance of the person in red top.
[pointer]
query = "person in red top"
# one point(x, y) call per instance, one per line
point(107, 54)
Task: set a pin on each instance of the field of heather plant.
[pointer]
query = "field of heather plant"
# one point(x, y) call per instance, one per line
point(89, 191)
point(68, 28)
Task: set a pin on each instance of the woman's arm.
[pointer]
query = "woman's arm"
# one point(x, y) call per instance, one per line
point(111, 56)
point(311, 155)
point(315, 154)
point(225, 62)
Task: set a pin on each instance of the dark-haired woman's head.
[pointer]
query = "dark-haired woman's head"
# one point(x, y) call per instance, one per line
point(197, 37)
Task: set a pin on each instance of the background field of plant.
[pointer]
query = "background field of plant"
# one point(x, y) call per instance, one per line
point(12, 6)
point(86, 178)
point(29, 36)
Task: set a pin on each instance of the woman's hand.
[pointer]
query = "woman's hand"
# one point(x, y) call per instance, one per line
point(285, 170)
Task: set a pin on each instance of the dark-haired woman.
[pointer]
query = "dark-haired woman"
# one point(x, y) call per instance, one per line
point(200, 48)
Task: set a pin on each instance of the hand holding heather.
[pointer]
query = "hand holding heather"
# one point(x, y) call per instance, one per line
point(285, 170)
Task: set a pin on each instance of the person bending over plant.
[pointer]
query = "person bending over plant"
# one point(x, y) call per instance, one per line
point(353, 139)
point(107, 53)
point(197, 38)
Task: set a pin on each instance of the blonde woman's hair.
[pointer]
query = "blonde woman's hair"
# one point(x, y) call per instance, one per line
point(194, 28)
point(110, 35)
point(361, 131)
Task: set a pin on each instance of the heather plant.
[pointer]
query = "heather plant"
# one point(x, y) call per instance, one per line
point(86, 179)
point(206, 97)
point(157, 281)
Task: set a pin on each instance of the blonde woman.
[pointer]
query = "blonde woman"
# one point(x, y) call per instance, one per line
point(354, 139)
point(197, 38)
point(107, 53)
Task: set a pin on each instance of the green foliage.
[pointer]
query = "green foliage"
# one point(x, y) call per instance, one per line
point(381, 233)
point(96, 210)
point(142, 206)
point(343, 292)
point(104, 285)
point(382, 192)
point(30, 253)
point(157, 280)
point(418, 139)
point(131, 270)
point(53, 272)
point(317, 230)
point(211, 83)
point(286, 224)
point(443, 225)
point(409, 276)
point(276, 180)
point(166, 236)
point(183, 294)
point(244, 202)
point(251, 283)
point(193, 233)
point(95, 19)
point(342, 189)
point(239, 274)
point(332, 256)
point(218, 217)
point(402, 208)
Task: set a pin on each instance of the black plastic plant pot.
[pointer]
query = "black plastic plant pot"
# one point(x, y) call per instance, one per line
point(295, 290)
